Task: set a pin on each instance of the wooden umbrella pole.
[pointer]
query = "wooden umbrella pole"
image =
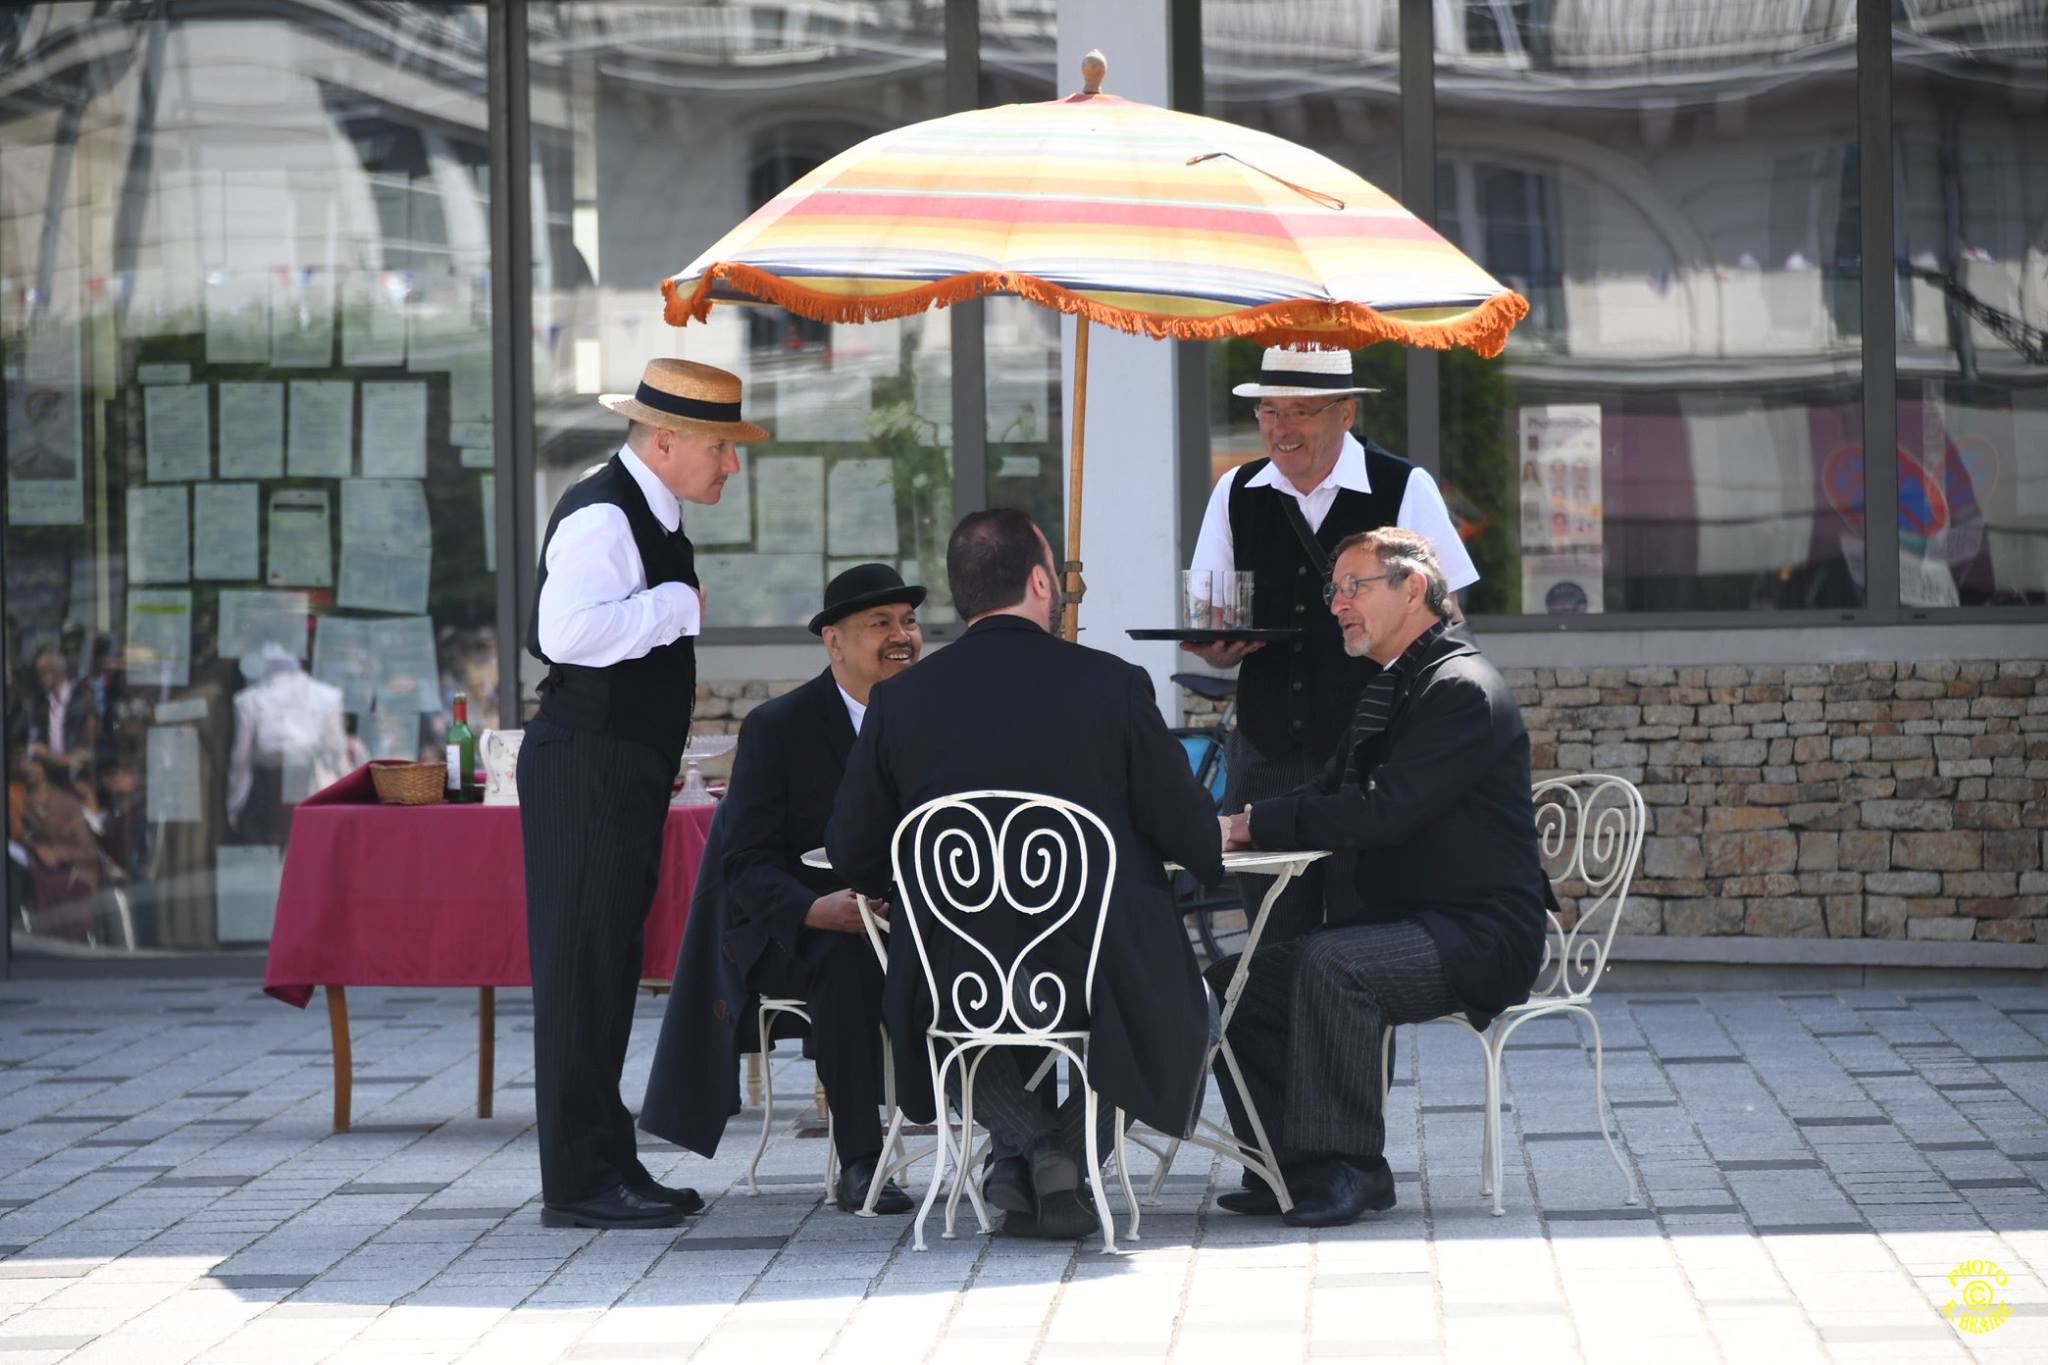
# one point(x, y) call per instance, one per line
point(1075, 587)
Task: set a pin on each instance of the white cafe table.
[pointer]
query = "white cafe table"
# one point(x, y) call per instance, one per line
point(1256, 1156)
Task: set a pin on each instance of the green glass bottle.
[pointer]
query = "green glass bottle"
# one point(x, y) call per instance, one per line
point(461, 754)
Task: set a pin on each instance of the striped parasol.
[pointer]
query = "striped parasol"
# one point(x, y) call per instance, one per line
point(1147, 220)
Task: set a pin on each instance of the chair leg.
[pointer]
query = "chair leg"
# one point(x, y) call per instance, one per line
point(968, 1072)
point(943, 1146)
point(1386, 1059)
point(892, 1141)
point(1600, 1104)
point(767, 1101)
point(1165, 1166)
point(1494, 1166)
point(1123, 1172)
point(831, 1154)
point(1088, 1106)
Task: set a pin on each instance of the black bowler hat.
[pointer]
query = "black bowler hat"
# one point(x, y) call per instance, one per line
point(861, 587)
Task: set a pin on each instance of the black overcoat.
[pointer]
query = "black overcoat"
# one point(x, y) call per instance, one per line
point(1010, 706)
point(752, 890)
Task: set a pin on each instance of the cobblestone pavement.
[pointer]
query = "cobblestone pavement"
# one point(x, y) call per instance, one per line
point(1824, 1172)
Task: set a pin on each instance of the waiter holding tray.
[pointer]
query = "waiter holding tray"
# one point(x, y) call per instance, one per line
point(1279, 517)
point(615, 620)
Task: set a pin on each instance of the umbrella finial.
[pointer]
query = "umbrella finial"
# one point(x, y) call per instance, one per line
point(1094, 67)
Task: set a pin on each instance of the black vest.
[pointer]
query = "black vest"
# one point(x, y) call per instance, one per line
point(1301, 693)
point(647, 699)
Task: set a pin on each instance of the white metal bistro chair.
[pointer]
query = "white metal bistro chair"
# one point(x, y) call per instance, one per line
point(1589, 832)
point(962, 863)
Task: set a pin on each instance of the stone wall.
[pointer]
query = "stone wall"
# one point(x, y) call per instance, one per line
point(1866, 800)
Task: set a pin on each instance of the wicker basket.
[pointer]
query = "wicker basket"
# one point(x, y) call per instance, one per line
point(400, 783)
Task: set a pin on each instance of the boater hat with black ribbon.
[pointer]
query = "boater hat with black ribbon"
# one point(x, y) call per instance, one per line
point(682, 395)
point(861, 587)
point(1285, 373)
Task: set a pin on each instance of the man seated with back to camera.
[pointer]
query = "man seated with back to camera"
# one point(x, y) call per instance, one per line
point(1433, 901)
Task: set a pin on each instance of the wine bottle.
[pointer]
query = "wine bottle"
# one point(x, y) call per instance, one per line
point(461, 754)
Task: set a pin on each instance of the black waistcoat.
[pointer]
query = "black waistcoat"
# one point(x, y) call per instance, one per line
point(647, 699)
point(1301, 693)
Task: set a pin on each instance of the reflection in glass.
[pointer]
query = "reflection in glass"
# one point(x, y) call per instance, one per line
point(1677, 425)
point(245, 314)
point(1970, 174)
point(653, 134)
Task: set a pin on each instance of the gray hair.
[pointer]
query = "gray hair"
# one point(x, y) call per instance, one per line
point(1402, 552)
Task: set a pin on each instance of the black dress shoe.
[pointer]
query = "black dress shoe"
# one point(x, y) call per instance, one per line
point(617, 1207)
point(1062, 1216)
point(1006, 1183)
point(1336, 1191)
point(682, 1198)
point(851, 1191)
point(1255, 1198)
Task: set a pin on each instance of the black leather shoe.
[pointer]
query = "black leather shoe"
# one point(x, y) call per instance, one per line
point(1336, 1191)
point(617, 1207)
point(851, 1192)
point(1052, 1170)
point(1006, 1183)
point(1062, 1216)
point(675, 1197)
point(1256, 1198)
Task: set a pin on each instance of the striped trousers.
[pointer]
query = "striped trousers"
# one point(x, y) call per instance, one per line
point(592, 808)
point(1307, 1033)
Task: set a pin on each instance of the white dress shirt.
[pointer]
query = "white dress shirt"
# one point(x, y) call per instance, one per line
point(1422, 511)
point(855, 711)
point(596, 608)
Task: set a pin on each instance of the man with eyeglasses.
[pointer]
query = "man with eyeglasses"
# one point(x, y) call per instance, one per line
point(1426, 802)
point(1281, 517)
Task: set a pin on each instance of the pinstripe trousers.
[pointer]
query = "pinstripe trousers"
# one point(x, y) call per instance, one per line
point(591, 812)
point(1307, 1033)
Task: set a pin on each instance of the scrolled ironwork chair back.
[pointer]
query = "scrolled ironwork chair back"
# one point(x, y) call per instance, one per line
point(1589, 833)
point(981, 870)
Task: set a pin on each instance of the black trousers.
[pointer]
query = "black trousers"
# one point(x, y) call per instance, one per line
point(1255, 776)
point(591, 812)
point(838, 978)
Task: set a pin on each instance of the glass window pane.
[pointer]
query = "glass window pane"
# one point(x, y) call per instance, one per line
point(1677, 424)
point(1970, 173)
point(245, 319)
point(654, 133)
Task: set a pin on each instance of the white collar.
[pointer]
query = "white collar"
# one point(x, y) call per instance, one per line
point(1348, 472)
point(855, 712)
point(660, 501)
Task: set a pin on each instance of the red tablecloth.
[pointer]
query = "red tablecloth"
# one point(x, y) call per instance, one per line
point(378, 895)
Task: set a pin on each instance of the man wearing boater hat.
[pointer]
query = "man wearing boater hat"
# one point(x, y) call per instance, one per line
point(615, 622)
point(762, 923)
point(1280, 517)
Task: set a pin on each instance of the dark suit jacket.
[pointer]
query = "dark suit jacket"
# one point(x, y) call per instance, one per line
point(1009, 706)
point(752, 890)
point(1440, 818)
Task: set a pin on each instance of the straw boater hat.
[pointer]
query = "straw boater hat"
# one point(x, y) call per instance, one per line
point(861, 587)
point(685, 396)
point(1302, 374)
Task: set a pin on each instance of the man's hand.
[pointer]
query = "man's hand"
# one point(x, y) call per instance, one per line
point(1237, 830)
point(838, 913)
point(1223, 653)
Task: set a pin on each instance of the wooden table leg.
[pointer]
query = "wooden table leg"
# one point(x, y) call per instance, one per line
point(486, 1047)
point(337, 1025)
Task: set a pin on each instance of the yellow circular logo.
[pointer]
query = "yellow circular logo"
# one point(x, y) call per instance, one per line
point(1976, 1307)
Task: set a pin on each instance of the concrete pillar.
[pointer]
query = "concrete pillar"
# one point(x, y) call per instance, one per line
point(1130, 517)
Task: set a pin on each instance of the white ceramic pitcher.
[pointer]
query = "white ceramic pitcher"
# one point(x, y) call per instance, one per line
point(499, 750)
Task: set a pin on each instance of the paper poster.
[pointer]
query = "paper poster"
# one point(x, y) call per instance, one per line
point(761, 590)
point(251, 431)
point(46, 430)
point(341, 658)
point(373, 318)
point(159, 652)
point(789, 494)
point(163, 374)
point(407, 670)
point(246, 880)
point(469, 386)
point(730, 520)
point(237, 317)
point(376, 579)
point(159, 537)
point(301, 318)
point(395, 430)
point(860, 509)
point(386, 513)
point(391, 734)
point(1563, 534)
point(224, 532)
point(301, 548)
point(1562, 582)
point(172, 774)
point(487, 487)
point(1016, 410)
point(477, 437)
point(443, 321)
point(178, 432)
point(252, 617)
point(828, 406)
point(322, 427)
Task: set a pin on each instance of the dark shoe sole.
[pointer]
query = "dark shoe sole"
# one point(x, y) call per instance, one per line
point(1296, 1217)
point(1256, 1202)
point(685, 1202)
point(564, 1218)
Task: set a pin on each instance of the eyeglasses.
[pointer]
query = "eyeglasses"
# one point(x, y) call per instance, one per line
point(1293, 412)
point(1347, 588)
